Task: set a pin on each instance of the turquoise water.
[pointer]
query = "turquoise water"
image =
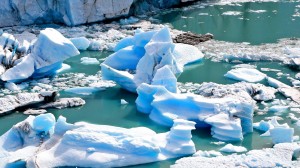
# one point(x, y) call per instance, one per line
point(275, 22)
point(103, 107)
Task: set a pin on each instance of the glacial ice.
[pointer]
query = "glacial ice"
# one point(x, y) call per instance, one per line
point(229, 148)
point(280, 155)
point(230, 118)
point(280, 133)
point(46, 143)
point(81, 43)
point(89, 61)
point(246, 74)
point(146, 55)
point(211, 153)
point(43, 58)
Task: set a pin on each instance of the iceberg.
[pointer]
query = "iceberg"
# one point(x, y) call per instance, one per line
point(43, 142)
point(230, 118)
point(148, 57)
point(42, 58)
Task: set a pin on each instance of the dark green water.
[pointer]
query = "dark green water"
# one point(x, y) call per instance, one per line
point(267, 27)
point(104, 107)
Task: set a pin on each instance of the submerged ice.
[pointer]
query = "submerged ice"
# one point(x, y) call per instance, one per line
point(43, 142)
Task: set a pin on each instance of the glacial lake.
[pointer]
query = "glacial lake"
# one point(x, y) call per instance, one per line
point(104, 107)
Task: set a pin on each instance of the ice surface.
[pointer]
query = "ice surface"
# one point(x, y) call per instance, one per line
point(279, 156)
point(46, 143)
point(81, 43)
point(165, 106)
point(245, 74)
point(144, 58)
point(211, 153)
point(229, 148)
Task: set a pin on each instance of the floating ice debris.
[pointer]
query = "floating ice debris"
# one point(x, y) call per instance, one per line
point(129, 20)
point(123, 102)
point(257, 11)
point(138, 59)
point(232, 13)
point(278, 109)
point(245, 74)
point(11, 102)
point(269, 70)
point(64, 103)
point(164, 106)
point(52, 143)
point(88, 61)
point(229, 148)
point(81, 43)
point(279, 133)
point(249, 66)
point(243, 91)
point(43, 58)
point(84, 90)
point(281, 155)
point(211, 153)
point(34, 111)
point(228, 51)
point(286, 90)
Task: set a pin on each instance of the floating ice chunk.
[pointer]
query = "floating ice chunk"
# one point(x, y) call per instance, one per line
point(81, 43)
point(89, 61)
point(229, 148)
point(211, 153)
point(123, 102)
point(63, 68)
point(278, 109)
point(64, 103)
point(281, 135)
point(225, 128)
point(232, 13)
point(84, 90)
point(57, 48)
point(245, 74)
point(262, 126)
point(129, 20)
point(257, 11)
point(106, 144)
point(44, 122)
point(21, 71)
point(35, 112)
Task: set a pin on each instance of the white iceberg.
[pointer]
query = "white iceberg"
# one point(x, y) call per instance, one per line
point(246, 74)
point(42, 58)
point(140, 59)
point(42, 142)
point(89, 61)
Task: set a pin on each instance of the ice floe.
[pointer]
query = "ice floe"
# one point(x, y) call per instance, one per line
point(245, 74)
point(281, 155)
point(41, 139)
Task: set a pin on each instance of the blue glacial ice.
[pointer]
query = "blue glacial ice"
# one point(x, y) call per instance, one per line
point(43, 142)
point(228, 117)
point(139, 59)
point(43, 57)
point(81, 43)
